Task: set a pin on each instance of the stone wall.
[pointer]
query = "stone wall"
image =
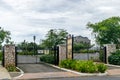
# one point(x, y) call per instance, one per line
point(109, 49)
point(9, 55)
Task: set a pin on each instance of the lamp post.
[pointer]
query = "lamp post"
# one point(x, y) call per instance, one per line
point(34, 38)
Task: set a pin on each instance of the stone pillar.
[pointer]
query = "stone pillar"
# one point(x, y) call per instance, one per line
point(109, 49)
point(9, 55)
point(69, 47)
point(62, 52)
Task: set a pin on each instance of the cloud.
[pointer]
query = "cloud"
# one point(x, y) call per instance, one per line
point(25, 18)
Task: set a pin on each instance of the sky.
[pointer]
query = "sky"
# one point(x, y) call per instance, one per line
point(26, 18)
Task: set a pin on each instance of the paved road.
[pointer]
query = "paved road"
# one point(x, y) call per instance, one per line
point(45, 72)
point(85, 78)
point(37, 68)
point(36, 71)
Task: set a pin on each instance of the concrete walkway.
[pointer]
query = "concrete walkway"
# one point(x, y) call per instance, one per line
point(4, 73)
point(113, 70)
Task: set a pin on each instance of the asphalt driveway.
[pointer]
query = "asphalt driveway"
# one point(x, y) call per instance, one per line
point(37, 68)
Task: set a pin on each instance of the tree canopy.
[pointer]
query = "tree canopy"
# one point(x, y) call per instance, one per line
point(54, 37)
point(106, 31)
point(4, 36)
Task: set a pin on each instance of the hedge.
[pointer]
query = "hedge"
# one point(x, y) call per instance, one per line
point(83, 66)
point(48, 58)
point(114, 58)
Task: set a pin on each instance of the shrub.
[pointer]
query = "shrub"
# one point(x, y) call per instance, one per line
point(70, 64)
point(114, 58)
point(83, 66)
point(101, 67)
point(11, 68)
point(87, 51)
point(48, 58)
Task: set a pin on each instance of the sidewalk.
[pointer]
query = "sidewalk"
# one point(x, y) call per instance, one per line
point(4, 73)
point(113, 70)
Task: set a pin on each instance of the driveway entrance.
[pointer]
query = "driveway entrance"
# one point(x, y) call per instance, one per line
point(36, 68)
point(42, 71)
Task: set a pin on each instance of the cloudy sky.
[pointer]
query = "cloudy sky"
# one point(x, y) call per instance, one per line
point(25, 18)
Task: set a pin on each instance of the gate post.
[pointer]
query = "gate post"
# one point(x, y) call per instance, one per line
point(69, 47)
point(9, 57)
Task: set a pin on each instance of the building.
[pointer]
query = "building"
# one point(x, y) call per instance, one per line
point(80, 39)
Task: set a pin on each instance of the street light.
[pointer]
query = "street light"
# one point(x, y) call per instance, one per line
point(34, 38)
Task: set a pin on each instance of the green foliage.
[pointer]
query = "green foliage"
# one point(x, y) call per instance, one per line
point(27, 48)
point(106, 31)
point(114, 58)
point(83, 66)
point(48, 58)
point(87, 51)
point(101, 67)
point(11, 68)
point(54, 37)
point(4, 36)
point(70, 64)
point(81, 46)
point(26, 53)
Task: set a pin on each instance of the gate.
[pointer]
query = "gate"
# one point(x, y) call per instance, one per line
point(56, 55)
point(27, 58)
point(33, 59)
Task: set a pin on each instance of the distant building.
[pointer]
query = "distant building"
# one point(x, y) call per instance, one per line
point(80, 39)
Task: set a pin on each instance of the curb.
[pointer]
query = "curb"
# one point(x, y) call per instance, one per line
point(22, 73)
point(79, 73)
point(112, 65)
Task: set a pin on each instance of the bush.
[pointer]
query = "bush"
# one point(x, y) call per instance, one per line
point(87, 51)
point(48, 58)
point(114, 58)
point(86, 66)
point(11, 68)
point(83, 66)
point(101, 67)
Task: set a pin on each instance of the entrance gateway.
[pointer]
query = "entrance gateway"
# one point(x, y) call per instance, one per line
point(11, 56)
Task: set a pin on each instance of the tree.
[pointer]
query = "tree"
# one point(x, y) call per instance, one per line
point(54, 37)
point(106, 31)
point(27, 48)
point(81, 46)
point(4, 36)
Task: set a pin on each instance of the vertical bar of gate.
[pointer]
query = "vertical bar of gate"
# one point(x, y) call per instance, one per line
point(105, 55)
point(57, 55)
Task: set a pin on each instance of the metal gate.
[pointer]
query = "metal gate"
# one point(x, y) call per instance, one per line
point(27, 59)
point(56, 55)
